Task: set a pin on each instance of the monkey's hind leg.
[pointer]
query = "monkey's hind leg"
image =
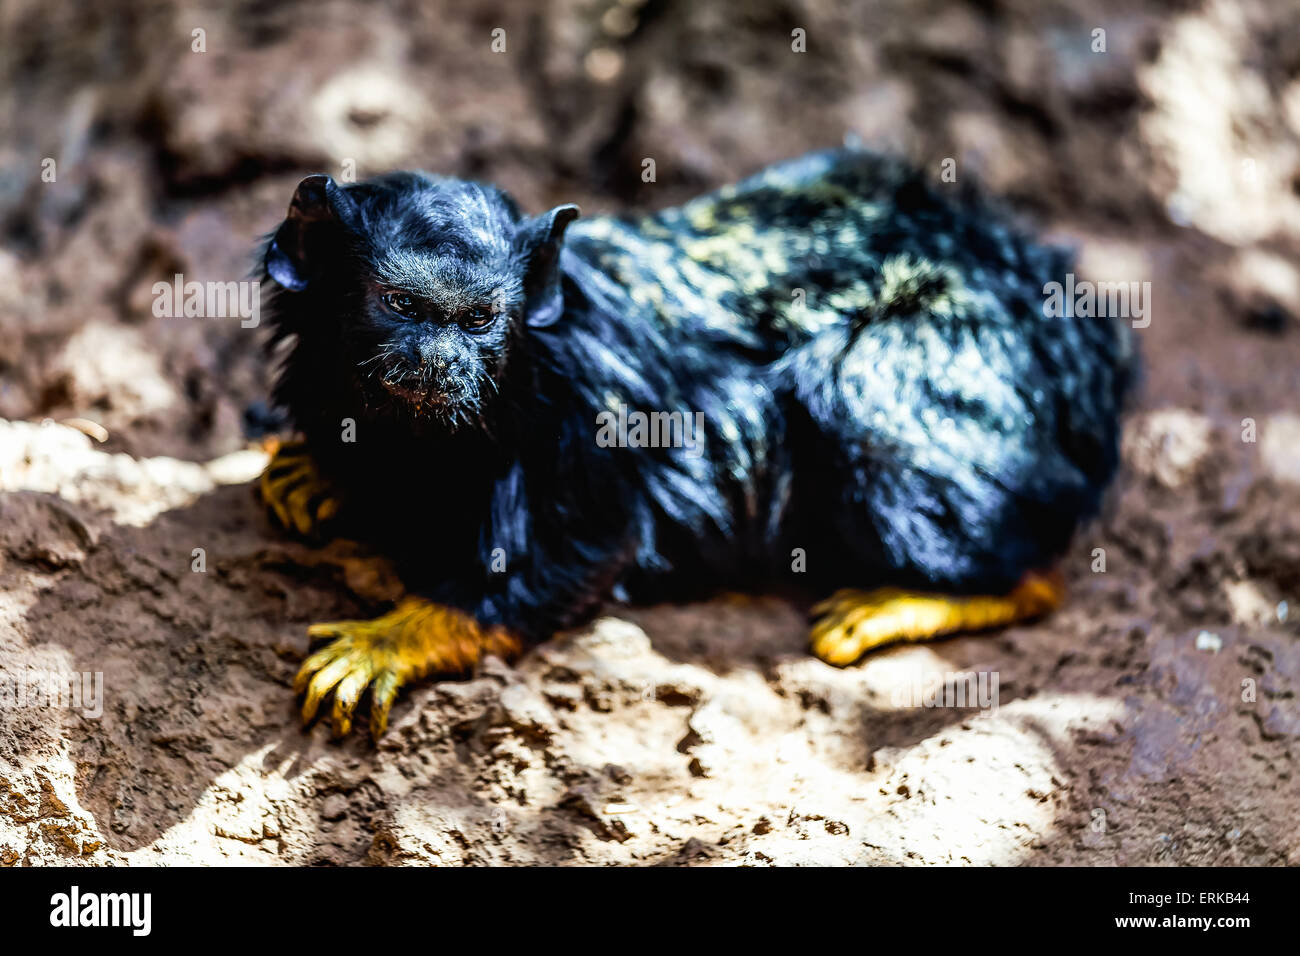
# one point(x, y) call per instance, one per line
point(416, 638)
point(295, 491)
point(851, 623)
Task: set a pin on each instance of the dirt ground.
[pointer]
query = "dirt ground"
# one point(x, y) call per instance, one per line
point(1153, 720)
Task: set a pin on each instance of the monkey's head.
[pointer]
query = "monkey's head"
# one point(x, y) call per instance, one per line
point(415, 288)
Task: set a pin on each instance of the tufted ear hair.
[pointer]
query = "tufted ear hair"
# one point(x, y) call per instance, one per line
point(537, 243)
point(319, 207)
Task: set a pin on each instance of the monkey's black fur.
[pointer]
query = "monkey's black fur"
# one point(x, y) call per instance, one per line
point(881, 391)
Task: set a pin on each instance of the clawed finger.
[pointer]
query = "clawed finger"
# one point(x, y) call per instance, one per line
point(322, 683)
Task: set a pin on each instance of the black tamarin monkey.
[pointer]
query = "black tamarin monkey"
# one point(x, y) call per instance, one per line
point(885, 406)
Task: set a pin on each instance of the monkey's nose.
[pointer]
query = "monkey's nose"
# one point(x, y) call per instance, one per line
point(436, 354)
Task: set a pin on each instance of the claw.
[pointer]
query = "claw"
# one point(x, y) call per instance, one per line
point(382, 695)
point(298, 504)
point(297, 494)
point(851, 623)
point(346, 696)
point(415, 638)
point(322, 682)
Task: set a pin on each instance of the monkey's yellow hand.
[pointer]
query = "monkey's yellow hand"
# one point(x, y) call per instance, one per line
point(416, 638)
point(850, 622)
point(295, 491)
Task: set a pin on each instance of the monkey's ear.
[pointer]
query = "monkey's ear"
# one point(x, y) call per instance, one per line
point(319, 207)
point(538, 244)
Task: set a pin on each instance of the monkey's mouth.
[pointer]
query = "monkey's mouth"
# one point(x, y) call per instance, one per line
point(424, 395)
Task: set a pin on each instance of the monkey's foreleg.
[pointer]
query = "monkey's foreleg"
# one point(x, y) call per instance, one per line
point(851, 623)
point(296, 492)
point(416, 638)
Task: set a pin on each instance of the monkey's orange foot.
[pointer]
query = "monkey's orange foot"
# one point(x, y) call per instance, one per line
point(416, 638)
point(296, 492)
point(851, 623)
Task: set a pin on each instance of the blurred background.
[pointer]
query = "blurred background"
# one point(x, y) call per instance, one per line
point(1167, 146)
point(140, 139)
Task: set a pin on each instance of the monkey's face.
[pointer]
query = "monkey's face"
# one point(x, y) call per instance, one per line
point(434, 324)
point(426, 285)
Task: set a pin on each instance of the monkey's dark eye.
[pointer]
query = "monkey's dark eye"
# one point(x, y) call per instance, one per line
point(401, 303)
point(477, 319)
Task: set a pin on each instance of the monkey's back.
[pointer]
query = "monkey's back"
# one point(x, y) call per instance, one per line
point(873, 362)
point(771, 261)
